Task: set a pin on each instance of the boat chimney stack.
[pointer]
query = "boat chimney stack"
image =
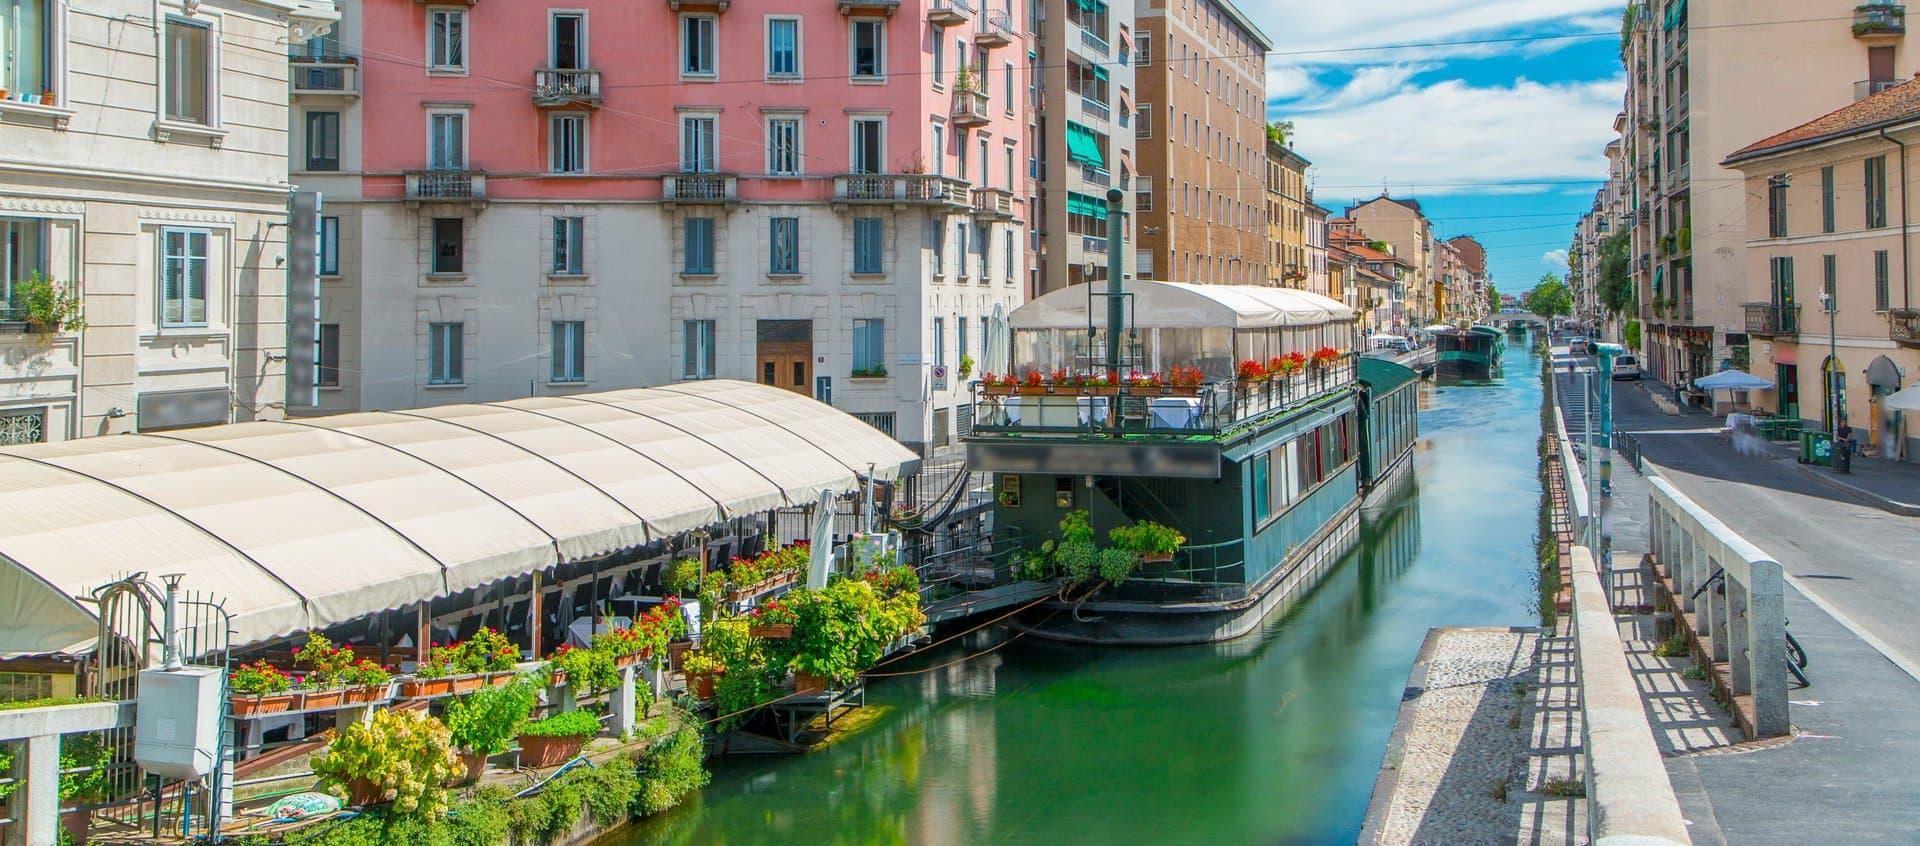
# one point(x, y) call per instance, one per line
point(1116, 286)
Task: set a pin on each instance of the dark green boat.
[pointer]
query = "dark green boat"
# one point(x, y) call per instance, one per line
point(1468, 352)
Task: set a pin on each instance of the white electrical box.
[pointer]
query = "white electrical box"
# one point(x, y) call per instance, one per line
point(179, 721)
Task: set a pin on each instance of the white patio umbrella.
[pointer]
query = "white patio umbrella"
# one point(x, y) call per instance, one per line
point(1905, 399)
point(1732, 380)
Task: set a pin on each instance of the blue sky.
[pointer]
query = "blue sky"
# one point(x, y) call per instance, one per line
point(1500, 139)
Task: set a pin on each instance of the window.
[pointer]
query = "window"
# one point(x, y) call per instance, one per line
point(24, 426)
point(1143, 198)
point(447, 141)
point(569, 245)
point(446, 39)
point(784, 238)
point(868, 151)
point(449, 245)
point(1006, 77)
point(327, 372)
point(323, 140)
point(569, 351)
point(1143, 50)
point(940, 58)
point(960, 152)
point(1826, 199)
point(937, 234)
point(445, 360)
point(699, 144)
point(188, 79)
point(569, 41)
point(698, 45)
point(1877, 192)
point(867, 232)
point(22, 256)
point(783, 47)
point(1880, 294)
point(939, 342)
point(939, 150)
point(1143, 127)
point(25, 32)
point(869, 347)
point(699, 246)
point(869, 49)
point(329, 246)
point(783, 146)
point(183, 276)
point(960, 336)
point(1830, 285)
point(699, 351)
point(1777, 208)
point(567, 138)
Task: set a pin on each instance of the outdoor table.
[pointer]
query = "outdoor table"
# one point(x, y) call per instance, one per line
point(580, 631)
point(1174, 412)
point(1094, 408)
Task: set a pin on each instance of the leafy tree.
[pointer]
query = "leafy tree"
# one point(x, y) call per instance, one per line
point(1493, 299)
point(1615, 284)
point(1279, 131)
point(1549, 298)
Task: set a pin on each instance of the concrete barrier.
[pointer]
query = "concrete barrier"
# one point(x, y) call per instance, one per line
point(36, 764)
point(1630, 801)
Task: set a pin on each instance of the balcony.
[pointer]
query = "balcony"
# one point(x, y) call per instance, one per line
point(993, 204)
point(1099, 176)
point(867, 7)
point(1094, 44)
point(996, 30)
point(1093, 244)
point(566, 87)
point(1095, 109)
point(1868, 87)
point(970, 108)
point(700, 188)
point(1773, 320)
point(446, 186)
point(1186, 412)
point(325, 76)
point(1903, 326)
point(1879, 21)
point(949, 12)
point(901, 190)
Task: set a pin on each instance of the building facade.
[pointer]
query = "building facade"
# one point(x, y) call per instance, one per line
point(1403, 225)
point(1287, 223)
point(1083, 132)
point(1471, 292)
point(1203, 151)
point(1833, 322)
point(1319, 280)
point(831, 199)
point(143, 189)
point(1704, 78)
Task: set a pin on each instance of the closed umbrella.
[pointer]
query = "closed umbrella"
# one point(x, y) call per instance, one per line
point(1732, 380)
point(1904, 400)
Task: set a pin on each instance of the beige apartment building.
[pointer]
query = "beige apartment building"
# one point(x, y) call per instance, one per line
point(1319, 279)
point(1402, 224)
point(1706, 77)
point(1833, 322)
point(1287, 205)
point(143, 175)
point(1470, 292)
point(1202, 144)
point(1083, 131)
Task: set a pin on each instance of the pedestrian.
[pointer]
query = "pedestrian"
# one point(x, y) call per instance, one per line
point(1843, 447)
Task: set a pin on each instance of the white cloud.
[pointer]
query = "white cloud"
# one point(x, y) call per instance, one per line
point(1554, 258)
point(1316, 33)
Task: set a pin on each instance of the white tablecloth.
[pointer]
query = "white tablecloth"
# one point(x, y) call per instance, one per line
point(1098, 408)
point(1174, 412)
point(580, 631)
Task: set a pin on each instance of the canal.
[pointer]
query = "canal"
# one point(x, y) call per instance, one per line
point(1274, 738)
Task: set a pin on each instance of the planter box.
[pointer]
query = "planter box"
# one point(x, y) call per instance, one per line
point(363, 792)
point(326, 697)
point(629, 659)
point(1156, 557)
point(542, 752)
point(808, 683)
point(770, 631)
point(364, 695)
point(500, 679)
point(700, 685)
point(468, 684)
point(426, 688)
point(247, 705)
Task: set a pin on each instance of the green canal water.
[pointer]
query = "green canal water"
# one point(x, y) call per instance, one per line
point(1274, 738)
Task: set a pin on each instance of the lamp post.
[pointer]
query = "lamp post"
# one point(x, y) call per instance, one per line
point(1833, 363)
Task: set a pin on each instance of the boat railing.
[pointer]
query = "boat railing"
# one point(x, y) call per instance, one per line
point(1081, 407)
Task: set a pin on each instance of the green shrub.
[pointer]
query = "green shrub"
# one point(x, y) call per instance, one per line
point(486, 721)
point(576, 723)
point(669, 772)
point(1117, 564)
point(1078, 559)
point(407, 753)
point(1074, 528)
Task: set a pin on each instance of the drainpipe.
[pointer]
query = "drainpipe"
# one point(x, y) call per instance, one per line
point(1906, 285)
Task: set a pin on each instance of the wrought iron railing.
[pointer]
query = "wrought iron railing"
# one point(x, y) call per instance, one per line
point(446, 185)
point(566, 85)
point(1773, 319)
point(1903, 326)
point(1212, 409)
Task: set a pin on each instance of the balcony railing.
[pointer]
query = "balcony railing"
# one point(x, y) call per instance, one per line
point(1096, 175)
point(1093, 244)
point(446, 185)
point(1770, 320)
point(337, 76)
point(1903, 326)
point(564, 86)
point(970, 108)
point(867, 7)
point(1184, 412)
point(1094, 43)
point(701, 188)
point(1876, 20)
point(1868, 87)
point(993, 202)
point(901, 188)
point(1094, 108)
point(996, 30)
point(949, 12)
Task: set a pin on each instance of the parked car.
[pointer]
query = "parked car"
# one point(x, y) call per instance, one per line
point(1626, 367)
point(1576, 343)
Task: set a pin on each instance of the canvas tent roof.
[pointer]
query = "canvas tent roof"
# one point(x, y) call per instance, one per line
point(302, 524)
point(1179, 305)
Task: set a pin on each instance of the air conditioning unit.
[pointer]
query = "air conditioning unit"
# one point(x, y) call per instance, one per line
point(179, 728)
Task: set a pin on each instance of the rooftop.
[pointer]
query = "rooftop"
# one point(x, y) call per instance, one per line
point(1895, 105)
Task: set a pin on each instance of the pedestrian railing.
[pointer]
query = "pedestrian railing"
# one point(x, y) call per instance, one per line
point(1742, 621)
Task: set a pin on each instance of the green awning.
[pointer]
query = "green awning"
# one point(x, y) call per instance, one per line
point(1659, 273)
point(1674, 13)
point(1083, 145)
point(1078, 203)
point(1091, 6)
point(1100, 72)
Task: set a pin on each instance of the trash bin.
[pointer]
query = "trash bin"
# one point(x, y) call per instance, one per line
point(1843, 455)
point(1816, 448)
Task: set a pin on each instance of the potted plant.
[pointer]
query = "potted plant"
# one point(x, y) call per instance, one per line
point(966, 365)
point(684, 579)
point(700, 669)
point(1154, 542)
point(1034, 384)
point(1325, 357)
point(48, 306)
point(259, 688)
point(403, 757)
point(584, 669)
point(432, 674)
point(331, 665)
point(483, 723)
point(488, 657)
point(1251, 371)
point(773, 619)
point(83, 781)
point(366, 681)
point(556, 739)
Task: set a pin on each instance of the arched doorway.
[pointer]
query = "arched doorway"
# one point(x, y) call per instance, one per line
point(1883, 378)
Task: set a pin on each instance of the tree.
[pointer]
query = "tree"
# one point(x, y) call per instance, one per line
point(1615, 284)
point(1493, 299)
point(1279, 131)
point(1549, 298)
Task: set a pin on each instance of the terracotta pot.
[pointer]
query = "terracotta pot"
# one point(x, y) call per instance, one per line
point(363, 695)
point(76, 825)
point(1031, 391)
point(677, 653)
point(476, 765)
point(247, 705)
point(500, 679)
point(559, 678)
point(701, 684)
point(628, 659)
point(326, 697)
point(808, 683)
point(425, 688)
point(1156, 557)
point(770, 631)
point(363, 792)
point(464, 684)
point(542, 752)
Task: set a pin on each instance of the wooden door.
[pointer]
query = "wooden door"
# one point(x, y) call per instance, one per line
point(784, 352)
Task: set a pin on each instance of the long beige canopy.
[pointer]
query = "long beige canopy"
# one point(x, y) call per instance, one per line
point(301, 524)
point(1180, 305)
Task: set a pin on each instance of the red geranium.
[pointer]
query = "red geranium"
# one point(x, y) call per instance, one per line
point(1251, 371)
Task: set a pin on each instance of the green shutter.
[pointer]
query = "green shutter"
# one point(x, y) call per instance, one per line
point(1659, 272)
point(1100, 72)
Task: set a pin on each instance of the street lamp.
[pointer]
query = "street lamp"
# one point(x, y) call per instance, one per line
point(1833, 363)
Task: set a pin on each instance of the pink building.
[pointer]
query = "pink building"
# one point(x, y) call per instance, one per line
point(827, 196)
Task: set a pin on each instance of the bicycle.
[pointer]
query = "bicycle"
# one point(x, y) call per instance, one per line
point(1796, 654)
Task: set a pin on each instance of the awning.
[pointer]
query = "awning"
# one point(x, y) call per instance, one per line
point(1732, 380)
point(303, 524)
point(1882, 373)
point(1091, 6)
point(1083, 145)
point(1178, 305)
point(1078, 203)
point(1126, 102)
point(1100, 72)
point(1675, 13)
point(1659, 272)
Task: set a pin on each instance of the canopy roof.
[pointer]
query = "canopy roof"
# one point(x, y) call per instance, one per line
point(302, 524)
point(1179, 305)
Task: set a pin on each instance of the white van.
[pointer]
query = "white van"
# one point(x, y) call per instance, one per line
point(1626, 367)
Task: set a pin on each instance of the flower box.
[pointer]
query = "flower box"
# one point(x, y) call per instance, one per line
point(700, 685)
point(629, 659)
point(325, 697)
point(804, 682)
point(247, 704)
point(500, 679)
point(770, 631)
point(542, 752)
point(365, 694)
point(1156, 557)
point(426, 688)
